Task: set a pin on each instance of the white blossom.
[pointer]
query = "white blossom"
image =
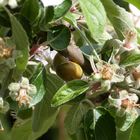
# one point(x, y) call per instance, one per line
point(44, 55)
point(11, 3)
point(51, 2)
point(22, 92)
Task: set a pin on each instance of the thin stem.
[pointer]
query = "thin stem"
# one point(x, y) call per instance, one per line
point(89, 43)
point(84, 37)
point(93, 64)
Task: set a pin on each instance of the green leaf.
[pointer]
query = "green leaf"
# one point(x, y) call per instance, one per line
point(38, 82)
point(26, 25)
point(124, 135)
point(69, 91)
point(134, 2)
point(87, 50)
point(122, 4)
point(59, 37)
point(47, 17)
point(105, 128)
point(20, 39)
point(69, 17)
point(127, 121)
point(4, 19)
point(130, 134)
point(4, 70)
point(90, 120)
point(44, 115)
point(95, 15)
point(75, 116)
point(5, 135)
point(62, 9)
point(110, 48)
point(80, 34)
point(99, 125)
point(80, 135)
point(138, 35)
point(30, 10)
point(31, 71)
point(4, 31)
point(22, 130)
point(24, 114)
point(135, 134)
point(130, 59)
point(119, 18)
